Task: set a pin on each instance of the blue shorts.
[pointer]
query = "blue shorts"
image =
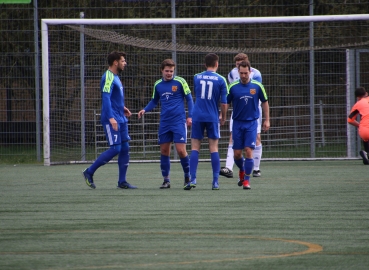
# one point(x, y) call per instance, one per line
point(198, 130)
point(244, 134)
point(176, 133)
point(116, 137)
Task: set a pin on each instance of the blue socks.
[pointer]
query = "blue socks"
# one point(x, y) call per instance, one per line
point(185, 162)
point(165, 167)
point(104, 158)
point(215, 164)
point(194, 161)
point(123, 162)
point(239, 164)
point(249, 164)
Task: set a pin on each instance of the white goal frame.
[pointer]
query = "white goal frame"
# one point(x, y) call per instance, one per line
point(45, 44)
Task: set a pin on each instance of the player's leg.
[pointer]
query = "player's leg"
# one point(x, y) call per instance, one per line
point(165, 141)
point(364, 135)
point(123, 158)
point(259, 148)
point(165, 163)
point(114, 141)
point(248, 165)
point(238, 146)
point(364, 154)
point(257, 156)
point(213, 132)
point(197, 134)
point(194, 161)
point(215, 162)
point(227, 171)
point(180, 139)
point(249, 143)
point(366, 146)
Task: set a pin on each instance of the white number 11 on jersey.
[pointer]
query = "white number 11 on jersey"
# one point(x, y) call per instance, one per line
point(203, 88)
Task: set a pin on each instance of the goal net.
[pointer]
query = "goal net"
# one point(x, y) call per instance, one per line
point(310, 67)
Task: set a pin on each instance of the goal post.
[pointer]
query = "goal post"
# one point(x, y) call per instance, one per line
point(289, 131)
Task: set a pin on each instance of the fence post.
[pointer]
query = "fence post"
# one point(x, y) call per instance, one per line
point(321, 121)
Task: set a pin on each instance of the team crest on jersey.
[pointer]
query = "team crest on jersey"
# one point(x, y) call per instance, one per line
point(252, 91)
point(174, 88)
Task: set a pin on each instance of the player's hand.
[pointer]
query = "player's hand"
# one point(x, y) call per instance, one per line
point(114, 124)
point(127, 112)
point(266, 125)
point(140, 113)
point(189, 122)
point(222, 121)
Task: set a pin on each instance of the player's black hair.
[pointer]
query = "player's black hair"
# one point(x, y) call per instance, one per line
point(360, 92)
point(245, 64)
point(115, 56)
point(211, 59)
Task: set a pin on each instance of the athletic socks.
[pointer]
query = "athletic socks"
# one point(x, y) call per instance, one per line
point(104, 158)
point(366, 146)
point(185, 162)
point(248, 165)
point(239, 163)
point(123, 162)
point(230, 158)
point(165, 166)
point(215, 164)
point(257, 156)
point(194, 161)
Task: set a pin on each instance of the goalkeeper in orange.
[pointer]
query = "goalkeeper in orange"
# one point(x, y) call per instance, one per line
point(361, 108)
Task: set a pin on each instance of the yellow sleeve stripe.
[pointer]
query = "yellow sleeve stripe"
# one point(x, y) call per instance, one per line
point(262, 88)
point(109, 78)
point(155, 84)
point(186, 88)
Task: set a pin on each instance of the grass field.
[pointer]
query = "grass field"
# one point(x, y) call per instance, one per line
point(298, 215)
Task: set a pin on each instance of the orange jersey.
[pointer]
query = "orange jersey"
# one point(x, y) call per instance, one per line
point(361, 108)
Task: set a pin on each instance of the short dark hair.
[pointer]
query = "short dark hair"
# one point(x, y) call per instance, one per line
point(167, 63)
point(115, 56)
point(211, 59)
point(360, 92)
point(245, 64)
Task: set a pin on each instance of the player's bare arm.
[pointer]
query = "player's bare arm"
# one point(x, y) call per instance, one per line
point(189, 121)
point(266, 124)
point(114, 123)
point(127, 112)
point(223, 115)
point(140, 113)
point(353, 122)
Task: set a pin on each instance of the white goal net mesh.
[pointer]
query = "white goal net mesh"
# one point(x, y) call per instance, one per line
point(281, 51)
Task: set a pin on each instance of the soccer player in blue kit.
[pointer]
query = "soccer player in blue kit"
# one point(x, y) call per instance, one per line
point(233, 75)
point(210, 90)
point(171, 91)
point(114, 121)
point(244, 94)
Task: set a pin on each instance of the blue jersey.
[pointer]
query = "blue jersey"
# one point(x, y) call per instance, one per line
point(245, 99)
point(210, 89)
point(171, 95)
point(112, 96)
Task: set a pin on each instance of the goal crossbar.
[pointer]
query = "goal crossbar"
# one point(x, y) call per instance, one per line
point(173, 21)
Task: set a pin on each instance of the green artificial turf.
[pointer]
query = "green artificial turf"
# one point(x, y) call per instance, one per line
point(298, 215)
